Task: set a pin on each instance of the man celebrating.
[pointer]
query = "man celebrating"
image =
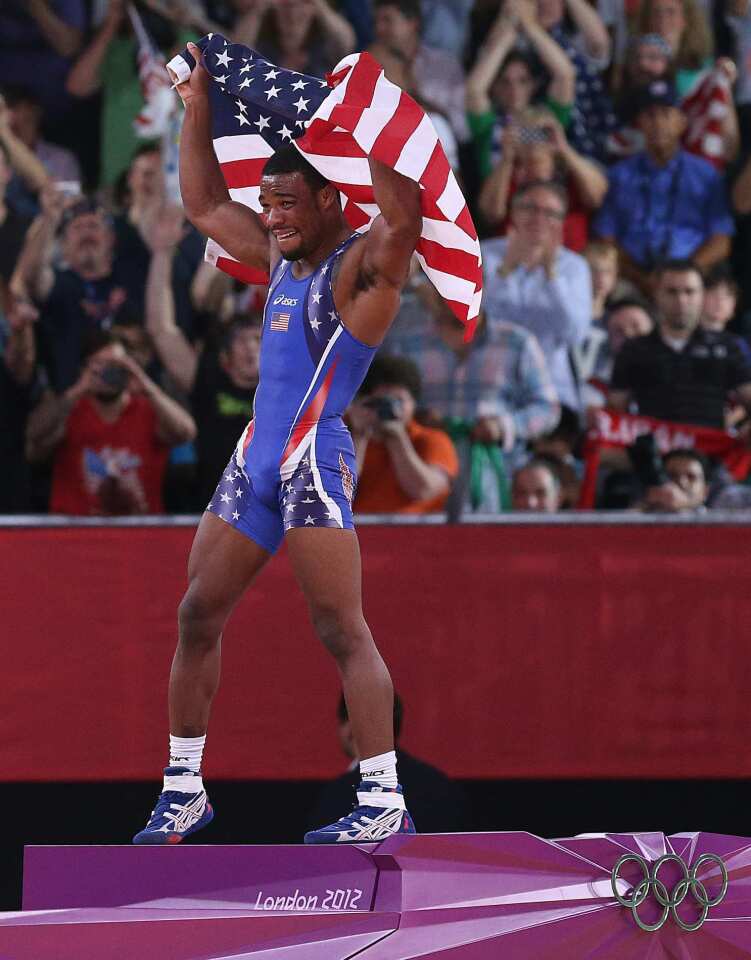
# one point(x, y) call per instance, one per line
point(332, 297)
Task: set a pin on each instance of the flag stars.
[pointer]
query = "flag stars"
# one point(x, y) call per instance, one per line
point(332, 315)
point(246, 83)
point(288, 487)
point(317, 297)
point(241, 105)
point(224, 58)
point(222, 79)
point(247, 68)
point(225, 498)
point(242, 119)
point(315, 324)
point(271, 75)
point(301, 104)
point(309, 521)
point(238, 492)
point(290, 507)
point(261, 123)
point(310, 486)
point(285, 132)
point(235, 515)
point(272, 92)
point(299, 85)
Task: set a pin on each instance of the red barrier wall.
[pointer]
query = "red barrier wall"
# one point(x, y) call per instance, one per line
point(519, 652)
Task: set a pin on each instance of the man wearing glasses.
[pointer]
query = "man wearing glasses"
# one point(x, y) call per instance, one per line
point(532, 280)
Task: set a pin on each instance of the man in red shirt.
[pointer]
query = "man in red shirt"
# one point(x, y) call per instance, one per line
point(110, 434)
point(404, 467)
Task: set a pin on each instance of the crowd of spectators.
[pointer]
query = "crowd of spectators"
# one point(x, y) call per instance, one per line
point(604, 147)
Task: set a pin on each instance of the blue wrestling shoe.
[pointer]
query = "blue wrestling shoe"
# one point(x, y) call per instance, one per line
point(178, 812)
point(367, 823)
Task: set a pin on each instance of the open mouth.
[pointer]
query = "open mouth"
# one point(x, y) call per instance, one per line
point(286, 235)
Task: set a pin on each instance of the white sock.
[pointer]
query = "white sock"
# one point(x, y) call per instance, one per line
point(186, 752)
point(380, 770)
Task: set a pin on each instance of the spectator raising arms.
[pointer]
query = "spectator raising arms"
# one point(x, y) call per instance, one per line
point(109, 434)
point(403, 467)
point(664, 203)
point(502, 84)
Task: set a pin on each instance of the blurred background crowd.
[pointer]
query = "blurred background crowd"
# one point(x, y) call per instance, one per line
point(604, 150)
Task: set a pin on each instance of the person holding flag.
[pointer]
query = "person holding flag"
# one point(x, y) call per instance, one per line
point(333, 294)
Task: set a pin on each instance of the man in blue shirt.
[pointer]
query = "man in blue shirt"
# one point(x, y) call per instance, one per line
point(664, 203)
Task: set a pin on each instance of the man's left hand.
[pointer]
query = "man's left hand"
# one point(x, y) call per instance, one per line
point(488, 430)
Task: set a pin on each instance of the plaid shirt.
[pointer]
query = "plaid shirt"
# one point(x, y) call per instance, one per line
point(504, 374)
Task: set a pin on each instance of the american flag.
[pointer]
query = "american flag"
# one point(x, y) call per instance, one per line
point(158, 102)
point(336, 124)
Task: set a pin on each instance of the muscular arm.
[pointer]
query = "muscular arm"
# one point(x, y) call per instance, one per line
point(205, 197)
point(367, 293)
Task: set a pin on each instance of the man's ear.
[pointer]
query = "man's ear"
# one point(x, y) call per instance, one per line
point(329, 196)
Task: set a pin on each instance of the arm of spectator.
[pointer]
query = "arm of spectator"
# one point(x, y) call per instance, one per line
point(491, 55)
point(361, 422)
point(538, 408)
point(494, 195)
point(175, 351)
point(339, 33)
point(571, 290)
point(34, 276)
point(419, 480)
point(591, 183)
point(594, 31)
point(209, 288)
point(248, 23)
point(174, 424)
point(23, 160)
point(64, 39)
point(45, 428)
point(85, 75)
point(562, 72)
point(712, 251)
point(20, 348)
point(741, 192)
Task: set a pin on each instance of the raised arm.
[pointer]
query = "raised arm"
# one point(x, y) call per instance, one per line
point(338, 31)
point(175, 352)
point(594, 31)
point(85, 77)
point(20, 349)
point(34, 276)
point(24, 161)
point(371, 279)
point(64, 39)
point(491, 55)
point(205, 197)
point(562, 72)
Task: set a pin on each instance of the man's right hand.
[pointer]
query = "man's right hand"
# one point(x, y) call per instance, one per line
point(197, 85)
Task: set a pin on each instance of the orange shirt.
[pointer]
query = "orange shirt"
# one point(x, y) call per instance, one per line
point(378, 489)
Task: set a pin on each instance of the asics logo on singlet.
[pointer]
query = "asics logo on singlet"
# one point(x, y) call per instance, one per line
point(285, 301)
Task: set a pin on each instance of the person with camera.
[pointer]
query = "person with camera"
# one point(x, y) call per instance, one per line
point(681, 371)
point(403, 467)
point(109, 435)
point(675, 483)
point(664, 203)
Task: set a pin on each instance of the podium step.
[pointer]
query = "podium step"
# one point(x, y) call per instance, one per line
point(448, 896)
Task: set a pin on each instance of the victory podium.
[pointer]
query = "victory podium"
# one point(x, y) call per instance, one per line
point(466, 896)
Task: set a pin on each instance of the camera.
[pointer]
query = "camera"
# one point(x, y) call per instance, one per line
point(114, 376)
point(385, 408)
point(647, 462)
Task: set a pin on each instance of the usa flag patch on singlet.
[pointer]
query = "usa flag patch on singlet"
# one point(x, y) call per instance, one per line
point(280, 322)
point(348, 481)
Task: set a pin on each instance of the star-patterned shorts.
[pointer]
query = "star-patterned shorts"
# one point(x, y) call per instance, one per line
point(317, 494)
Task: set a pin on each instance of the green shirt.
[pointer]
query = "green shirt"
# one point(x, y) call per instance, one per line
point(482, 126)
point(121, 102)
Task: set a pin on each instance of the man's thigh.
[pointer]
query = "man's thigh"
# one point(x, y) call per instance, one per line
point(326, 562)
point(223, 562)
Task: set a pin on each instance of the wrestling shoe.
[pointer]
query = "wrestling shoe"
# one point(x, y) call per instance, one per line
point(368, 822)
point(177, 813)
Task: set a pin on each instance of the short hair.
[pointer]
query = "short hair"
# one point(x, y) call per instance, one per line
point(624, 303)
point(721, 273)
point(392, 371)
point(677, 266)
point(552, 186)
point(541, 463)
point(236, 325)
point(15, 93)
point(288, 159)
point(601, 248)
point(517, 56)
point(342, 714)
point(410, 9)
point(689, 453)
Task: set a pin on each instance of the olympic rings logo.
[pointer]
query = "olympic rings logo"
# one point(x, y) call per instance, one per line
point(669, 902)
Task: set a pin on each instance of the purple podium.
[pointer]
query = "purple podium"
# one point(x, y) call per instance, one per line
point(464, 896)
